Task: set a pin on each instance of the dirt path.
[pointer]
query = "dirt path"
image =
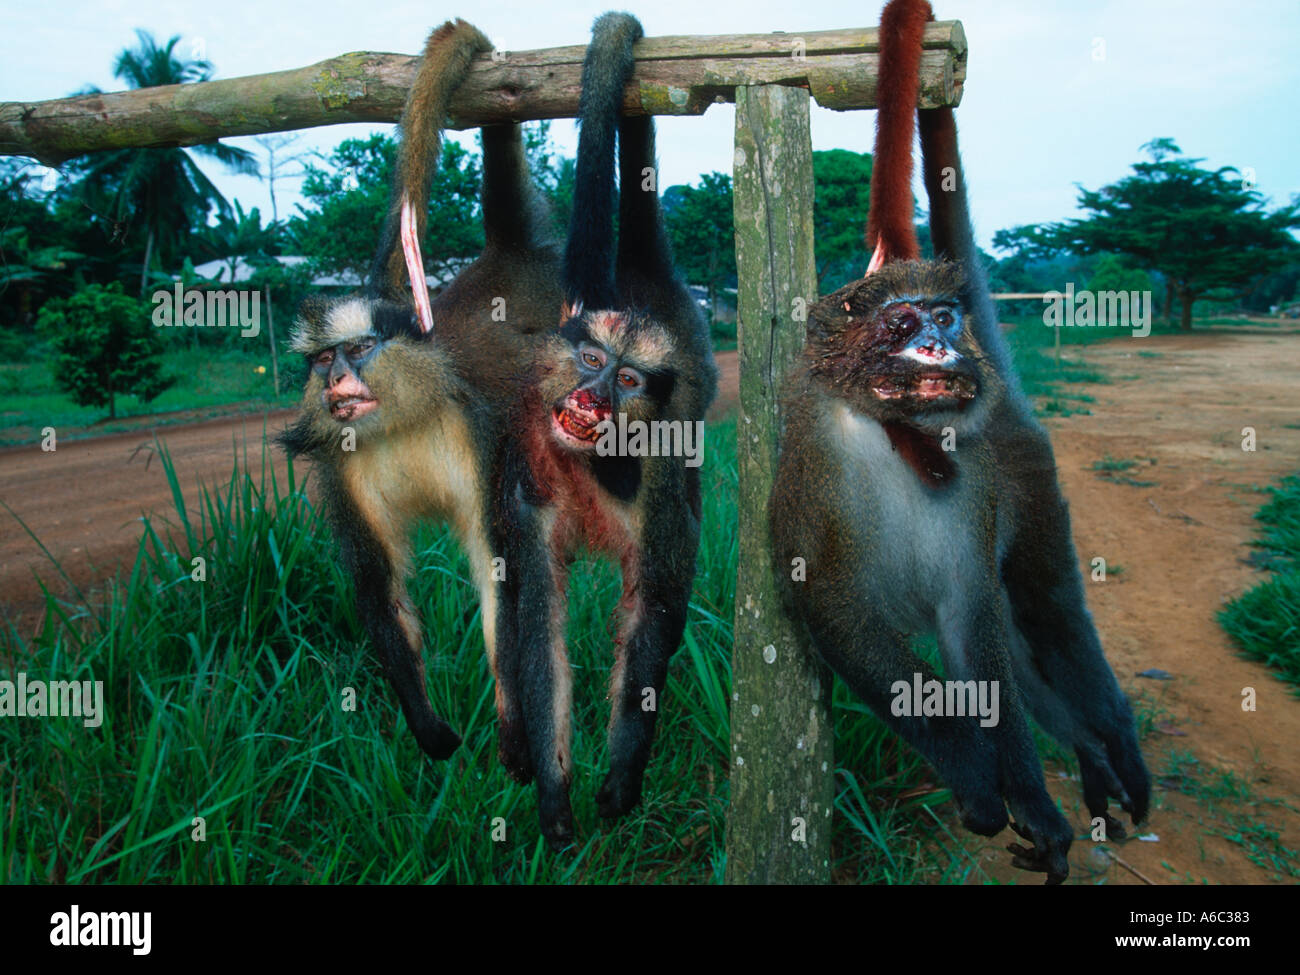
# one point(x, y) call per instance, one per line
point(1181, 545)
point(84, 499)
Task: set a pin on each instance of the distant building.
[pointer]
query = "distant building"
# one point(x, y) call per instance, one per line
point(219, 271)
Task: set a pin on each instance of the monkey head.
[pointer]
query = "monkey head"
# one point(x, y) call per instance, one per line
point(603, 363)
point(370, 370)
point(898, 346)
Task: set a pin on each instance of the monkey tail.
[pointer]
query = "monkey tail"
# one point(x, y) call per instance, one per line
point(952, 234)
point(447, 57)
point(642, 241)
point(891, 235)
point(589, 255)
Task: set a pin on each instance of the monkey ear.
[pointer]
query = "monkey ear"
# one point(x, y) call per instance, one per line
point(877, 258)
point(570, 309)
point(415, 264)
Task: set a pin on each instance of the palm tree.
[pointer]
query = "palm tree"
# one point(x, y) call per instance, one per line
point(162, 189)
point(238, 235)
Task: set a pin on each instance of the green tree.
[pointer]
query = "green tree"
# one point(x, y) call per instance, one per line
point(35, 252)
point(162, 191)
point(1111, 274)
point(700, 230)
point(348, 200)
point(103, 344)
point(1203, 230)
point(842, 188)
point(237, 235)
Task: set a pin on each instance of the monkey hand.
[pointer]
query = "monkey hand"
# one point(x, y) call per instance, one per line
point(436, 737)
point(512, 751)
point(556, 818)
point(1111, 767)
point(1046, 852)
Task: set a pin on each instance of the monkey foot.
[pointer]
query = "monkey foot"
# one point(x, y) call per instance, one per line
point(619, 795)
point(1043, 855)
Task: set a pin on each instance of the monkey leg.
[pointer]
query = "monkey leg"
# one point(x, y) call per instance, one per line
point(501, 638)
point(394, 630)
point(657, 581)
point(1057, 655)
point(973, 635)
point(545, 681)
point(654, 618)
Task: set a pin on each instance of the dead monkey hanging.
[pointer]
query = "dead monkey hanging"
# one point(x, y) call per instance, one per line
point(632, 347)
point(901, 535)
point(405, 402)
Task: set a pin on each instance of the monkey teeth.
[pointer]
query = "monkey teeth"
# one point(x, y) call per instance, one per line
point(576, 426)
point(926, 388)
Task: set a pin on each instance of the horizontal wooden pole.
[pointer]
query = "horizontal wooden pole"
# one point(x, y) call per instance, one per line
point(674, 76)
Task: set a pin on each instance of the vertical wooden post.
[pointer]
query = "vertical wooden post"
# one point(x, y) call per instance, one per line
point(782, 766)
point(275, 355)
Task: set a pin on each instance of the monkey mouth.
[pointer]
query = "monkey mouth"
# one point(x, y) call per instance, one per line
point(351, 407)
point(576, 427)
point(925, 387)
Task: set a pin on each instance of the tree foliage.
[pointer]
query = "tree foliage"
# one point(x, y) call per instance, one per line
point(155, 194)
point(103, 345)
point(700, 229)
point(1203, 230)
point(842, 186)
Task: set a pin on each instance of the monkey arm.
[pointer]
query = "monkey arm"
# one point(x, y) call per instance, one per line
point(538, 660)
point(382, 603)
point(1061, 668)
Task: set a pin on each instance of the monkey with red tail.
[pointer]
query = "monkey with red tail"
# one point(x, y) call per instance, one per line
point(921, 495)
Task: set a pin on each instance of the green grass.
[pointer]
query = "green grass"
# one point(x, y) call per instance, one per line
point(1112, 469)
point(1265, 620)
point(206, 378)
point(223, 700)
point(1109, 464)
point(1040, 376)
point(1231, 809)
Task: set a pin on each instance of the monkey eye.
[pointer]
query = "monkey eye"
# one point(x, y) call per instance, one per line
point(943, 317)
point(591, 358)
point(325, 358)
point(629, 378)
point(360, 349)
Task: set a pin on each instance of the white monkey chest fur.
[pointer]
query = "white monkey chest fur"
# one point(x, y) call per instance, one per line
point(918, 548)
point(425, 473)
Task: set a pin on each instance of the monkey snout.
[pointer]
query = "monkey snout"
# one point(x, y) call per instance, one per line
point(589, 402)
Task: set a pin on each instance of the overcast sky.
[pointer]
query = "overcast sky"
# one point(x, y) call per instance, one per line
point(1041, 110)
